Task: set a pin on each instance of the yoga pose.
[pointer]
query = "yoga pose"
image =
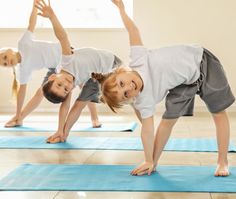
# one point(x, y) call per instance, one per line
point(33, 55)
point(75, 69)
point(176, 73)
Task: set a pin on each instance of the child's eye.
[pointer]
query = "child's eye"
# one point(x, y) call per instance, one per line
point(59, 84)
point(5, 57)
point(126, 94)
point(121, 83)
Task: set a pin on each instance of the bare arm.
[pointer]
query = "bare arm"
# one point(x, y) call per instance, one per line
point(63, 112)
point(33, 18)
point(32, 104)
point(162, 136)
point(73, 116)
point(20, 99)
point(147, 136)
point(47, 12)
point(137, 114)
point(134, 35)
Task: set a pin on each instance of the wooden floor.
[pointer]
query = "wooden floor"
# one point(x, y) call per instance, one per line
point(199, 126)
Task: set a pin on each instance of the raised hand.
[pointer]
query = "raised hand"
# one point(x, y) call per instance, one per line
point(118, 3)
point(46, 10)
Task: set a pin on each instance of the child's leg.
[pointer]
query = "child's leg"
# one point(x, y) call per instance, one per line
point(223, 135)
point(162, 135)
point(94, 115)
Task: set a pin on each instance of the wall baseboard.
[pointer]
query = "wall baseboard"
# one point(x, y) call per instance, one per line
point(104, 109)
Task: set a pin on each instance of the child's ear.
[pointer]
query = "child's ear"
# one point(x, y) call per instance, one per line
point(52, 77)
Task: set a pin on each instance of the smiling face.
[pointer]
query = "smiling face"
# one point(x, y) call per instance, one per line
point(120, 87)
point(8, 58)
point(129, 84)
point(62, 84)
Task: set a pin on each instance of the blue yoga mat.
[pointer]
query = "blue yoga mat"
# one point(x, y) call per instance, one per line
point(52, 127)
point(52, 177)
point(108, 143)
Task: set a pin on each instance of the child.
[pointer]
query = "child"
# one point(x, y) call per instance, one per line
point(33, 55)
point(175, 73)
point(76, 68)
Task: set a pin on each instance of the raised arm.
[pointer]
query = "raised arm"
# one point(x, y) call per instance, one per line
point(47, 12)
point(134, 35)
point(33, 18)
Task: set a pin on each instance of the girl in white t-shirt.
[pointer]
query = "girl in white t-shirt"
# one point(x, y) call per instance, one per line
point(33, 55)
point(176, 73)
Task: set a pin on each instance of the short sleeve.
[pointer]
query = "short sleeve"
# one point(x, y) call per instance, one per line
point(27, 37)
point(145, 106)
point(66, 60)
point(138, 56)
point(23, 76)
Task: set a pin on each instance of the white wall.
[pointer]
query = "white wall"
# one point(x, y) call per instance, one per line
point(210, 23)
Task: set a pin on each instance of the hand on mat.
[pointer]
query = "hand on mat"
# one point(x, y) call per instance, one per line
point(55, 138)
point(14, 122)
point(144, 168)
point(46, 10)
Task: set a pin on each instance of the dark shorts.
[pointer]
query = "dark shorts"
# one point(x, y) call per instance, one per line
point(90, 91)
point(50, 72)
point(212, 87)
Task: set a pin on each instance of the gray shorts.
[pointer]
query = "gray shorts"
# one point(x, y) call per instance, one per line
point(90, 91)
point(50, 72)
point(212, 86)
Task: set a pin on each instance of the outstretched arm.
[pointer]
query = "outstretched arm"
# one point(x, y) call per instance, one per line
point(134, 35)
point(73, 116)
point(33, 18)
point(162, 135)
point(147, 135)
point(47, 12)
point(63, 112)
point(13, 122)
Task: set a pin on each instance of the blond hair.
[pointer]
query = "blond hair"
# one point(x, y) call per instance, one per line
point(108, 83)
point(15, 85)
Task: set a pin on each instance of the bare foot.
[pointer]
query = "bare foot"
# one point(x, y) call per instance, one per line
point(13, 123)
point(222, 170)
point(96, 124)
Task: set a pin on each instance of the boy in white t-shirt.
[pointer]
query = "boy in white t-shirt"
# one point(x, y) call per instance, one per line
point(74, 70)
point(33, 55)
point(176, 73)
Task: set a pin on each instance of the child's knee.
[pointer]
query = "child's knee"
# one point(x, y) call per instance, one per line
point(219, 114)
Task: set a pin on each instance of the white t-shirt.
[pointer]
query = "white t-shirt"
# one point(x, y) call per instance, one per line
point(163, 69)
point(84, 61)
point(36, 55)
